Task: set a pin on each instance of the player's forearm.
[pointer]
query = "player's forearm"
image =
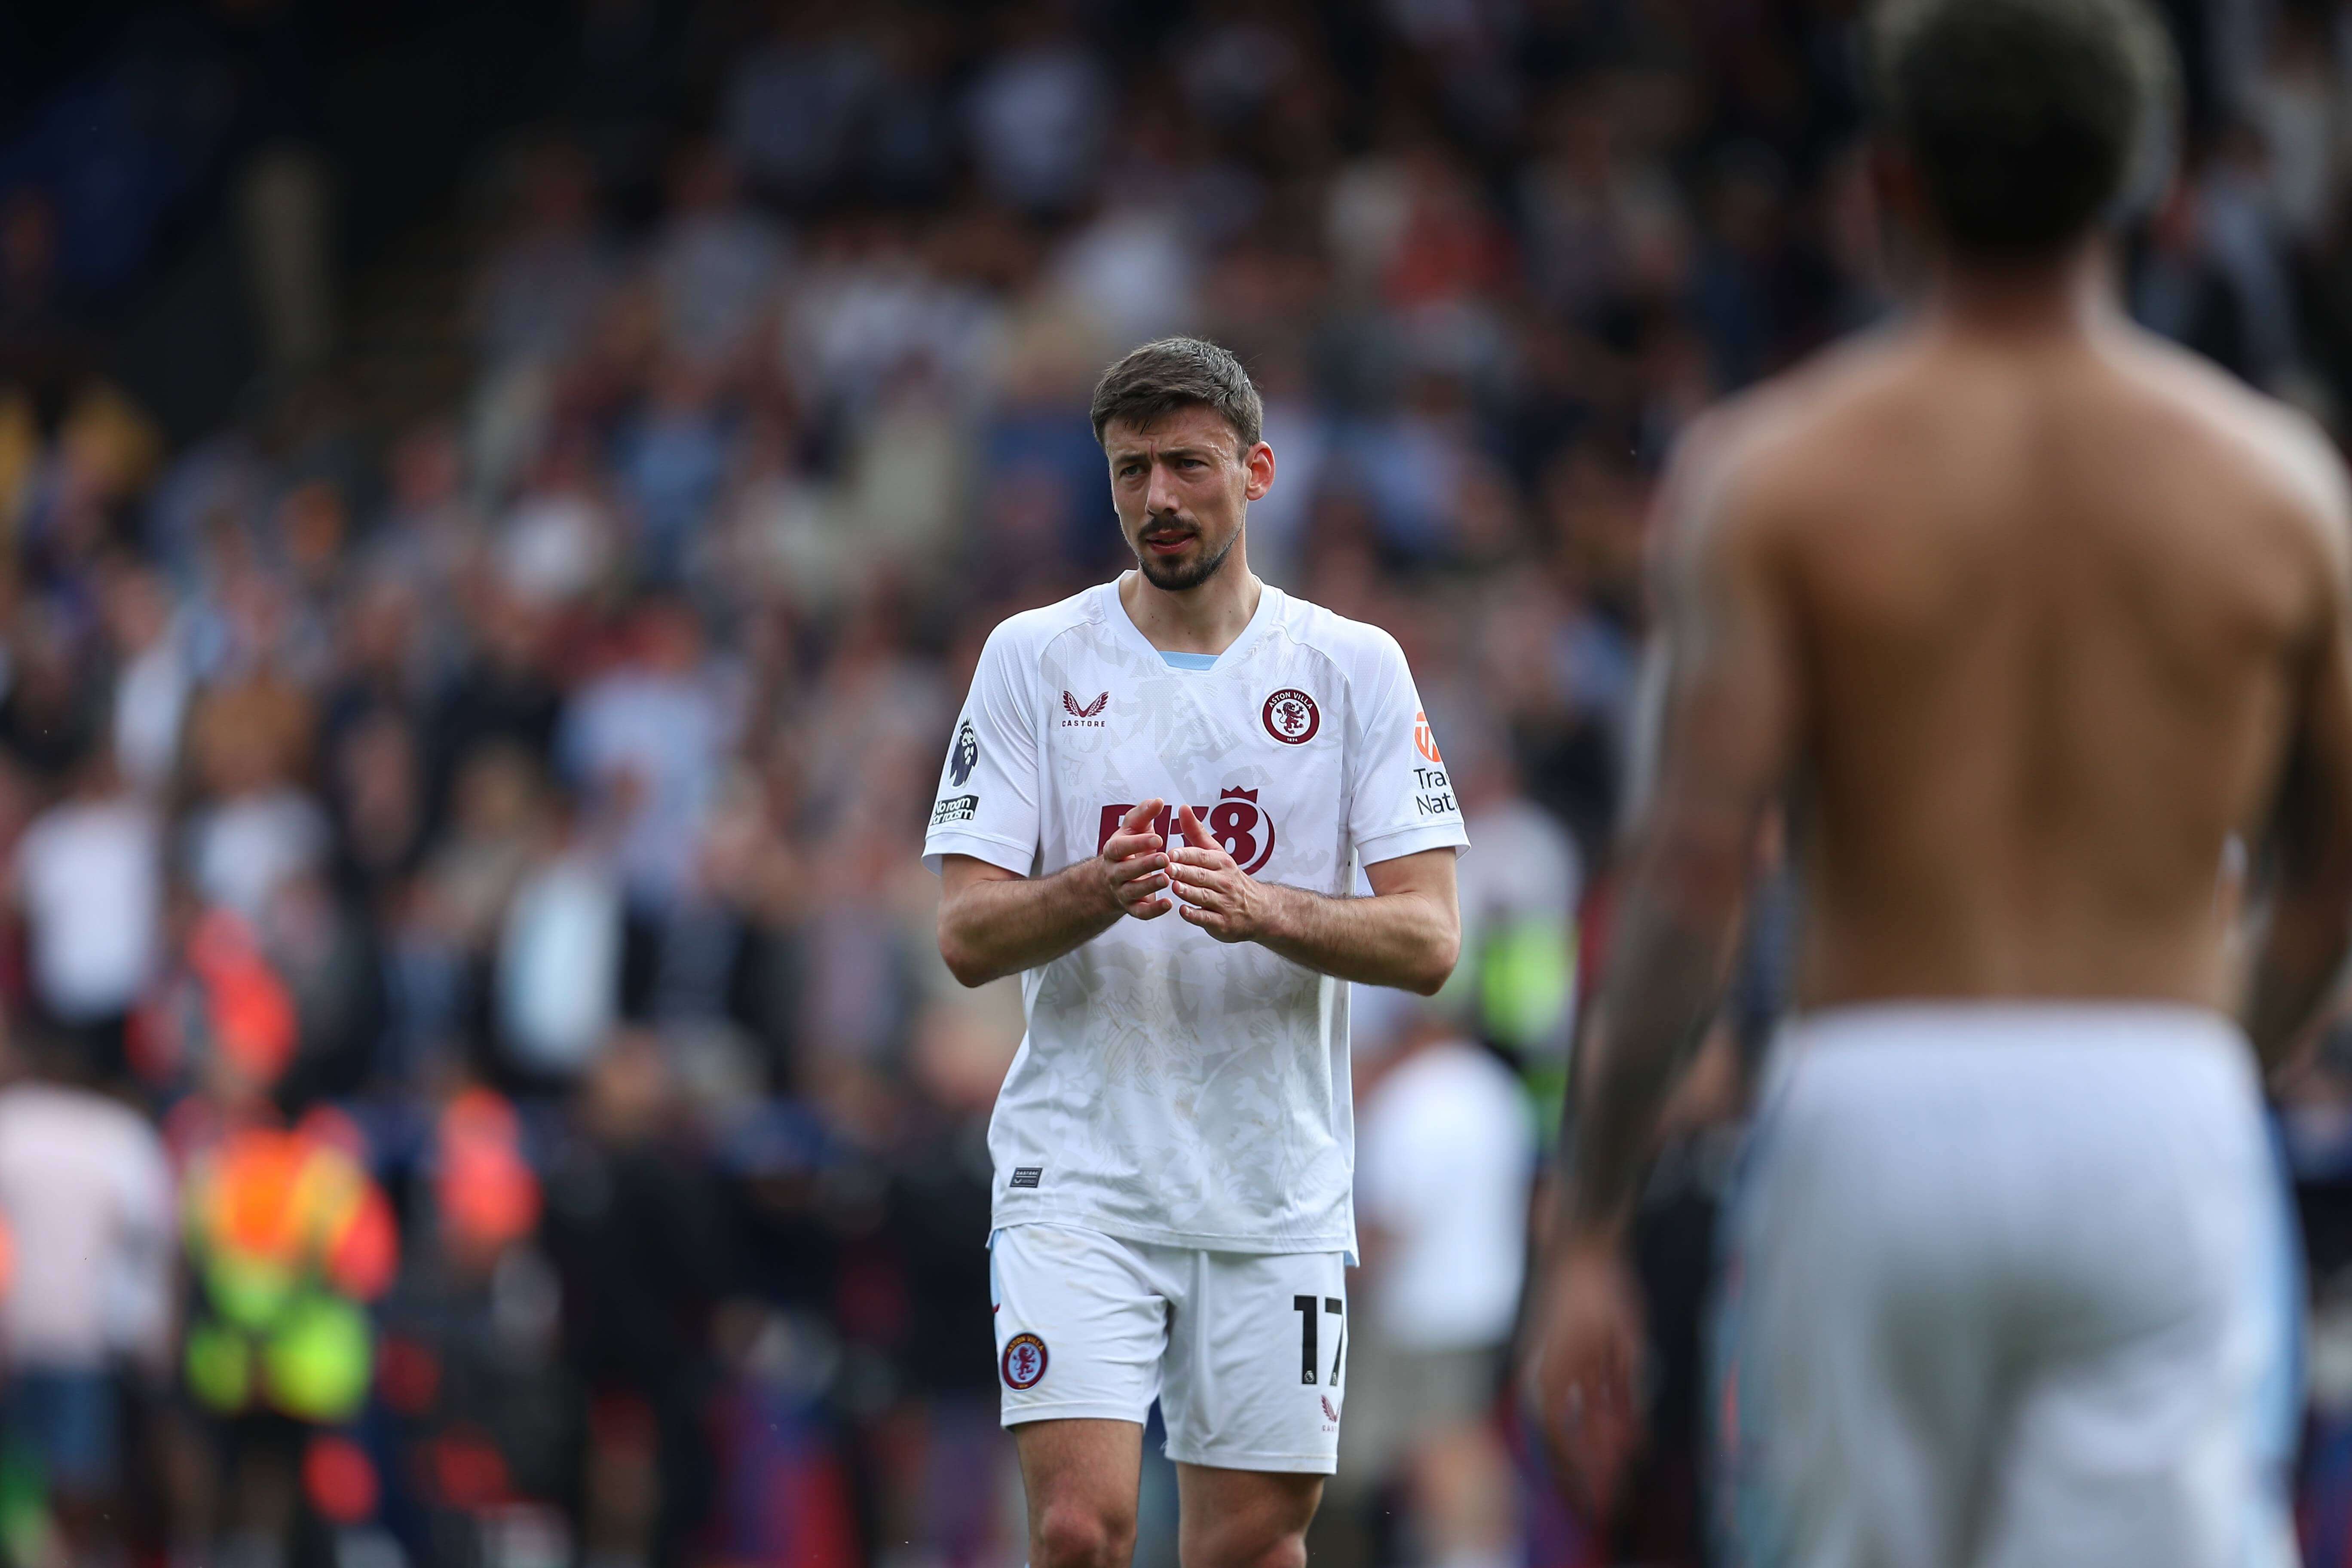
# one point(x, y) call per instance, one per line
point(2301, 948)
point(2295, 967)
point(1662, 985)
point(996, 928)
point(1409, 940)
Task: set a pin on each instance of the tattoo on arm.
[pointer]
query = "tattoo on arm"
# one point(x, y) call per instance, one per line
point(1728, 687)
point(1653, 1011)
point(2300, 948)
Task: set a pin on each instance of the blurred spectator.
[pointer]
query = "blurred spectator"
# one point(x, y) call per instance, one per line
point(719, 264)
point(671, 458)
point(85, 1195)
point(50, 715)
point(629, 1234)
point(2236, 222)
point(536, 295)
point(792, 104)
point(431, 532)
point(643, 744)
point(1039, 113)
point(153, 680)
point(287, 1239)
point(256, 827)
point(559, 945)
point(948, 1483)
point(558, 544)
point(89, 884)
point(1445, 1149)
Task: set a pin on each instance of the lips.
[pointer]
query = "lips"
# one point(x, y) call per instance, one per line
point(1167, 543)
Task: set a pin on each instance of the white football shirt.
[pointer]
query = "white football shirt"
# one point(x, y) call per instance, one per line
point(1171, 1088)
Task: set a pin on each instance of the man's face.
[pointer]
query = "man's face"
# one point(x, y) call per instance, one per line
point(1182, 485)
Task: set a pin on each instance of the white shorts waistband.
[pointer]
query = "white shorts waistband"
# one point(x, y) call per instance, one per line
point(2013, 1022)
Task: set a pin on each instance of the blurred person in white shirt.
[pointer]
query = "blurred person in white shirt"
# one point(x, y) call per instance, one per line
point(256, 826)
point(85, 1193)
point(1445, 1154)
point(556, 967)
point(644, 742)
point(89, 882)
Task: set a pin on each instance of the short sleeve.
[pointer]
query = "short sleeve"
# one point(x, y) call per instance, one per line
point(987, 800)
point(1401, 798)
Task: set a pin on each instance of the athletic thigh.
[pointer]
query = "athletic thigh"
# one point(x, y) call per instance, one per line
point(1244, 1518)
point(1080, 1479)
point(1256, 1366)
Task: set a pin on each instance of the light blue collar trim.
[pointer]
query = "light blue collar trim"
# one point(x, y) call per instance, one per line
point(1189, 660)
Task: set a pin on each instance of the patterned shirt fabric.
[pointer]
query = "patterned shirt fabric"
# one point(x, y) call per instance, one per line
point(1174, 1089)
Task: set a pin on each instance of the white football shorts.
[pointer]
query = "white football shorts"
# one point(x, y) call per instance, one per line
point(2009, 1286)
point(1246, 1351)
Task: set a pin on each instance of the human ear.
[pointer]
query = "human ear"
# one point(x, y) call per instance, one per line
point(1258, 466)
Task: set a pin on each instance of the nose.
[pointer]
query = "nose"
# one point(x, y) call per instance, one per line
point(1159, 494)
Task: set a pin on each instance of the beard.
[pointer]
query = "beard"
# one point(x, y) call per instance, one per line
point(1171, 578)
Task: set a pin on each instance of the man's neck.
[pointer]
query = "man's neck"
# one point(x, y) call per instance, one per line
point(1205, 619)
point(2068, 296)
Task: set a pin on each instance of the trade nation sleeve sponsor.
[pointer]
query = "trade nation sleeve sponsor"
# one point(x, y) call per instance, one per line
point(1403, 800)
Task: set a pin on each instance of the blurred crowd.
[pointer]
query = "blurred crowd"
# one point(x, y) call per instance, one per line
point(483, 1089)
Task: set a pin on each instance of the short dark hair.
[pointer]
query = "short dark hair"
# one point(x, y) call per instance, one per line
point(1179, 372)
point(2023, 116)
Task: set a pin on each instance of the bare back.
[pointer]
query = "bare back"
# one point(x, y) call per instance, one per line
point(2057, 613)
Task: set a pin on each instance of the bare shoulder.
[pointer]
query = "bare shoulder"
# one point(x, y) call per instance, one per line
point(1750, 466)
point(2279, 453)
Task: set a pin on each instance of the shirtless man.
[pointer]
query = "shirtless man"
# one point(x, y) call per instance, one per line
point(2029, 615)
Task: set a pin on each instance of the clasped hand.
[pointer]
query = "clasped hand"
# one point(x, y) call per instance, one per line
point(1215, 893)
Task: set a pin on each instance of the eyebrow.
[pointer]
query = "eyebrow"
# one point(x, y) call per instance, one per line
point(1123, 454)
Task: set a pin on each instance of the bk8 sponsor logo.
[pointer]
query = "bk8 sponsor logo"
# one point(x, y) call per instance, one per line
point(1241, 827)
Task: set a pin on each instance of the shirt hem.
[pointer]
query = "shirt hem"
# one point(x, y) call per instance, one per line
point(1412, 841)
point(1002, 853)
point(1190, 1240)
